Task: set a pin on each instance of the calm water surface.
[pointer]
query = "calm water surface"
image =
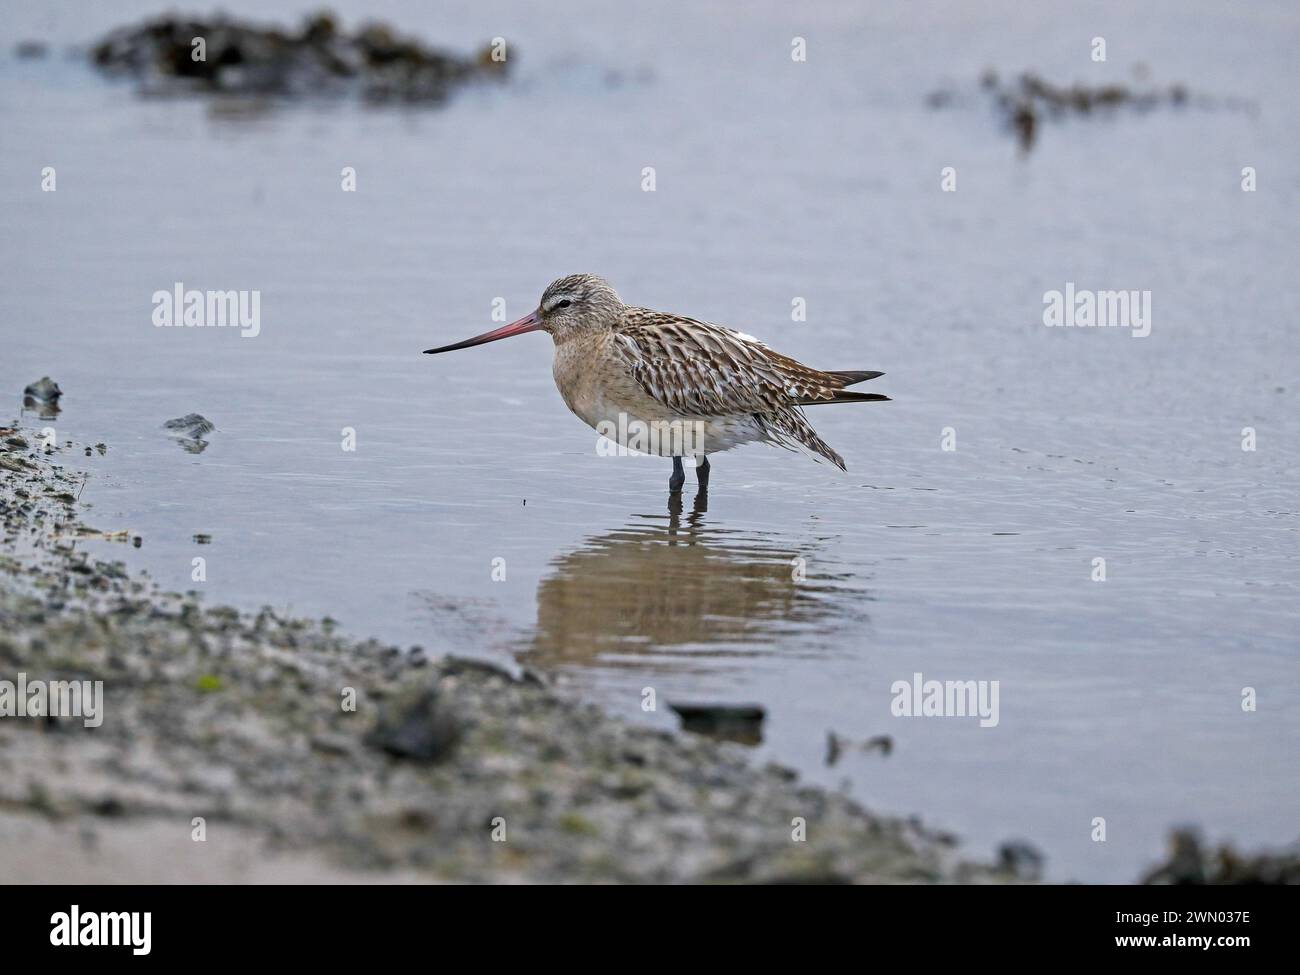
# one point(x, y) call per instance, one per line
point(775, 180)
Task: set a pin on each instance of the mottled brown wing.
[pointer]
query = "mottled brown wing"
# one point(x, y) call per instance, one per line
point(699, 369)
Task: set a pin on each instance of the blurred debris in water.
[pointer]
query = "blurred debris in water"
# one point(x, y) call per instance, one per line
point(173, 54)
point(191, 429)
point(836, 745)
point(1191, 863)
point(43, 397)
point(1024, 103)
point(740, 723)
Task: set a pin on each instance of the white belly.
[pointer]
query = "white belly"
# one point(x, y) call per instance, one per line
point(616, 407)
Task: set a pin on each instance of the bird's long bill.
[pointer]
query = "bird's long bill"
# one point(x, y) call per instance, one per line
point(529, 323)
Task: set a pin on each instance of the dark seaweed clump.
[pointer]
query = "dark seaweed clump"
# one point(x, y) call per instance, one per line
point(1190, 862)
point(1027, 101)
point(374, 62)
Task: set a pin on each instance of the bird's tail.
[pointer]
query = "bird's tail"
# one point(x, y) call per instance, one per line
point(791, 430)
point(847, 396)
point(838, 379)
point(851, 377)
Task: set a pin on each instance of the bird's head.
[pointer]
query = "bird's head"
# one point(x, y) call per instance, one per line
point(570, 306)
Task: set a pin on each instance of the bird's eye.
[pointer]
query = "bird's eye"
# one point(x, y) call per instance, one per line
point(563, 304)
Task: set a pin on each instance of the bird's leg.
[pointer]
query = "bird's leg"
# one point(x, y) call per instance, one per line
point(702, 472)
point(700, 507)
point(679, 476)
point(674, 512)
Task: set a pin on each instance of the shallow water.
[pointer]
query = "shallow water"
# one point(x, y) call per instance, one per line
point(1118, 699)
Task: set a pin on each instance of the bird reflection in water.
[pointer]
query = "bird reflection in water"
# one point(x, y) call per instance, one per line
point(680, 593)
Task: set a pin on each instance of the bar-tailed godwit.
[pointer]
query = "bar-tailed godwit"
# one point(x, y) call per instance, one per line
point(626, 370)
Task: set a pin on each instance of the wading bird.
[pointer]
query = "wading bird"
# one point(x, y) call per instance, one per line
point(629, 372)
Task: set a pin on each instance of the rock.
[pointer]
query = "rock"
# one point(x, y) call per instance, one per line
point(1021, 860)
point(1186, 863)
point(742, 723)
point(194, 425)
point(460, 665)
point(374, 63)
point(423, 730)
point(191, 429)
point(1189, 863)
point(44, 390)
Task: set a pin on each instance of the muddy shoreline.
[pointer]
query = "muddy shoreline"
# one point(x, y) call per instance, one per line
point(226, 750)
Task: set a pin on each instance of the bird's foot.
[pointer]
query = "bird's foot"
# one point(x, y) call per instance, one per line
point(679, 476)
point(702, 473)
